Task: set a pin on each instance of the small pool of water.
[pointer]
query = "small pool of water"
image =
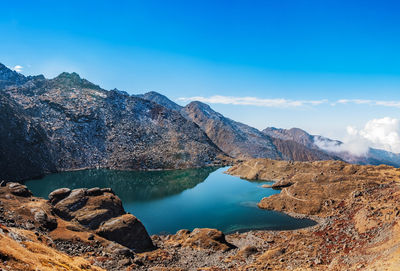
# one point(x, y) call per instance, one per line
point(167, 201)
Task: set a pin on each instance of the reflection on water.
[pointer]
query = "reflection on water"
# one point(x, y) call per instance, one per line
point(166, 201)
point(128, 185)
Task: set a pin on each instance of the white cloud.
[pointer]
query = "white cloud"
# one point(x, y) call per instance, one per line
point(18, 68)
point(382, 133)
point(352, 144)
point(280, 102)
point(377, 133)
point(368, 102)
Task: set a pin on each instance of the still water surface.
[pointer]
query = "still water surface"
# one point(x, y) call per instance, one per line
point(167, 201)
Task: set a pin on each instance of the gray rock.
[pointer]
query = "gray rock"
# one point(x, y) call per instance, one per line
point(58, 195)
point(128, 231)
point(18, 189)
point(47, 222)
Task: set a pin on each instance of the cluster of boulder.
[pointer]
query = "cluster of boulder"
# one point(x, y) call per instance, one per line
point(101, 210)
point(96, 210)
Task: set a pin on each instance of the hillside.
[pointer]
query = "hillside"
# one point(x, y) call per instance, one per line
point(237, 139)
point(356, 206)
point(85, 126)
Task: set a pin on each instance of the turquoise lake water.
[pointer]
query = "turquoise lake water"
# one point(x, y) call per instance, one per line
point(167, 201)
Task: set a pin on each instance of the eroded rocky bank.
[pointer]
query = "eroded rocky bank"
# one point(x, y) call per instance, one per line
point(88, 229)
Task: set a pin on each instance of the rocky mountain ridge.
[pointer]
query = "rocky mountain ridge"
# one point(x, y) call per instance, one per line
point(242, 141)
point(372, 157)
point(84, 126)
point(236, 139)
point(69, 123)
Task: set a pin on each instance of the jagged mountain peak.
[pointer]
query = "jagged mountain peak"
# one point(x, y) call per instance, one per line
point(69, 75)
point(66, 79)
point(205, 109)
point(200, 105)
point(160, 99)
point(121, 92)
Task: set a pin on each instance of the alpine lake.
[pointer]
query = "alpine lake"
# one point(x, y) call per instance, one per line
point(169, 200)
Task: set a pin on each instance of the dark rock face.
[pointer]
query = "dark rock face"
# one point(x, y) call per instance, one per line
point(69, 123)
point(24, 149)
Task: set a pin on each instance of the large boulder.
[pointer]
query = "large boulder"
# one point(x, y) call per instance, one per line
point(44, 219)
point(128, 231)
point(58, 195)
point(208, 239)
point(67, 207)
point(102, 211)
point(18, 189)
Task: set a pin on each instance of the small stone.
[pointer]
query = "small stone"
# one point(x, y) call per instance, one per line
point(125, 262)
point(91, 236)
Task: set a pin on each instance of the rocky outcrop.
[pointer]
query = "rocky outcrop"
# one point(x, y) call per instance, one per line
point(70, 123)
point(100, 210)
point(82, 221)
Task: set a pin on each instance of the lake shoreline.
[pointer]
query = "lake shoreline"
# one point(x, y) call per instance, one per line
point(150, 194)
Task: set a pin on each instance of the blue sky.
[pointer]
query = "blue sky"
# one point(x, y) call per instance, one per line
point(317, 65)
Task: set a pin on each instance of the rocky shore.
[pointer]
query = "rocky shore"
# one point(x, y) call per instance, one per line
point(88, 229)
point(357, 207)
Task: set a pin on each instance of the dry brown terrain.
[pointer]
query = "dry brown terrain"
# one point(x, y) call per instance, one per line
point(356, 207)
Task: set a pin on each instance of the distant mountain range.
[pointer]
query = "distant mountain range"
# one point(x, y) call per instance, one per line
point(242, 141)
point(372, 157)
point(69, 123)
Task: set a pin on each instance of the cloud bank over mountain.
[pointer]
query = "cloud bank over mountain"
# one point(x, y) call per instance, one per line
point(381, 133)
